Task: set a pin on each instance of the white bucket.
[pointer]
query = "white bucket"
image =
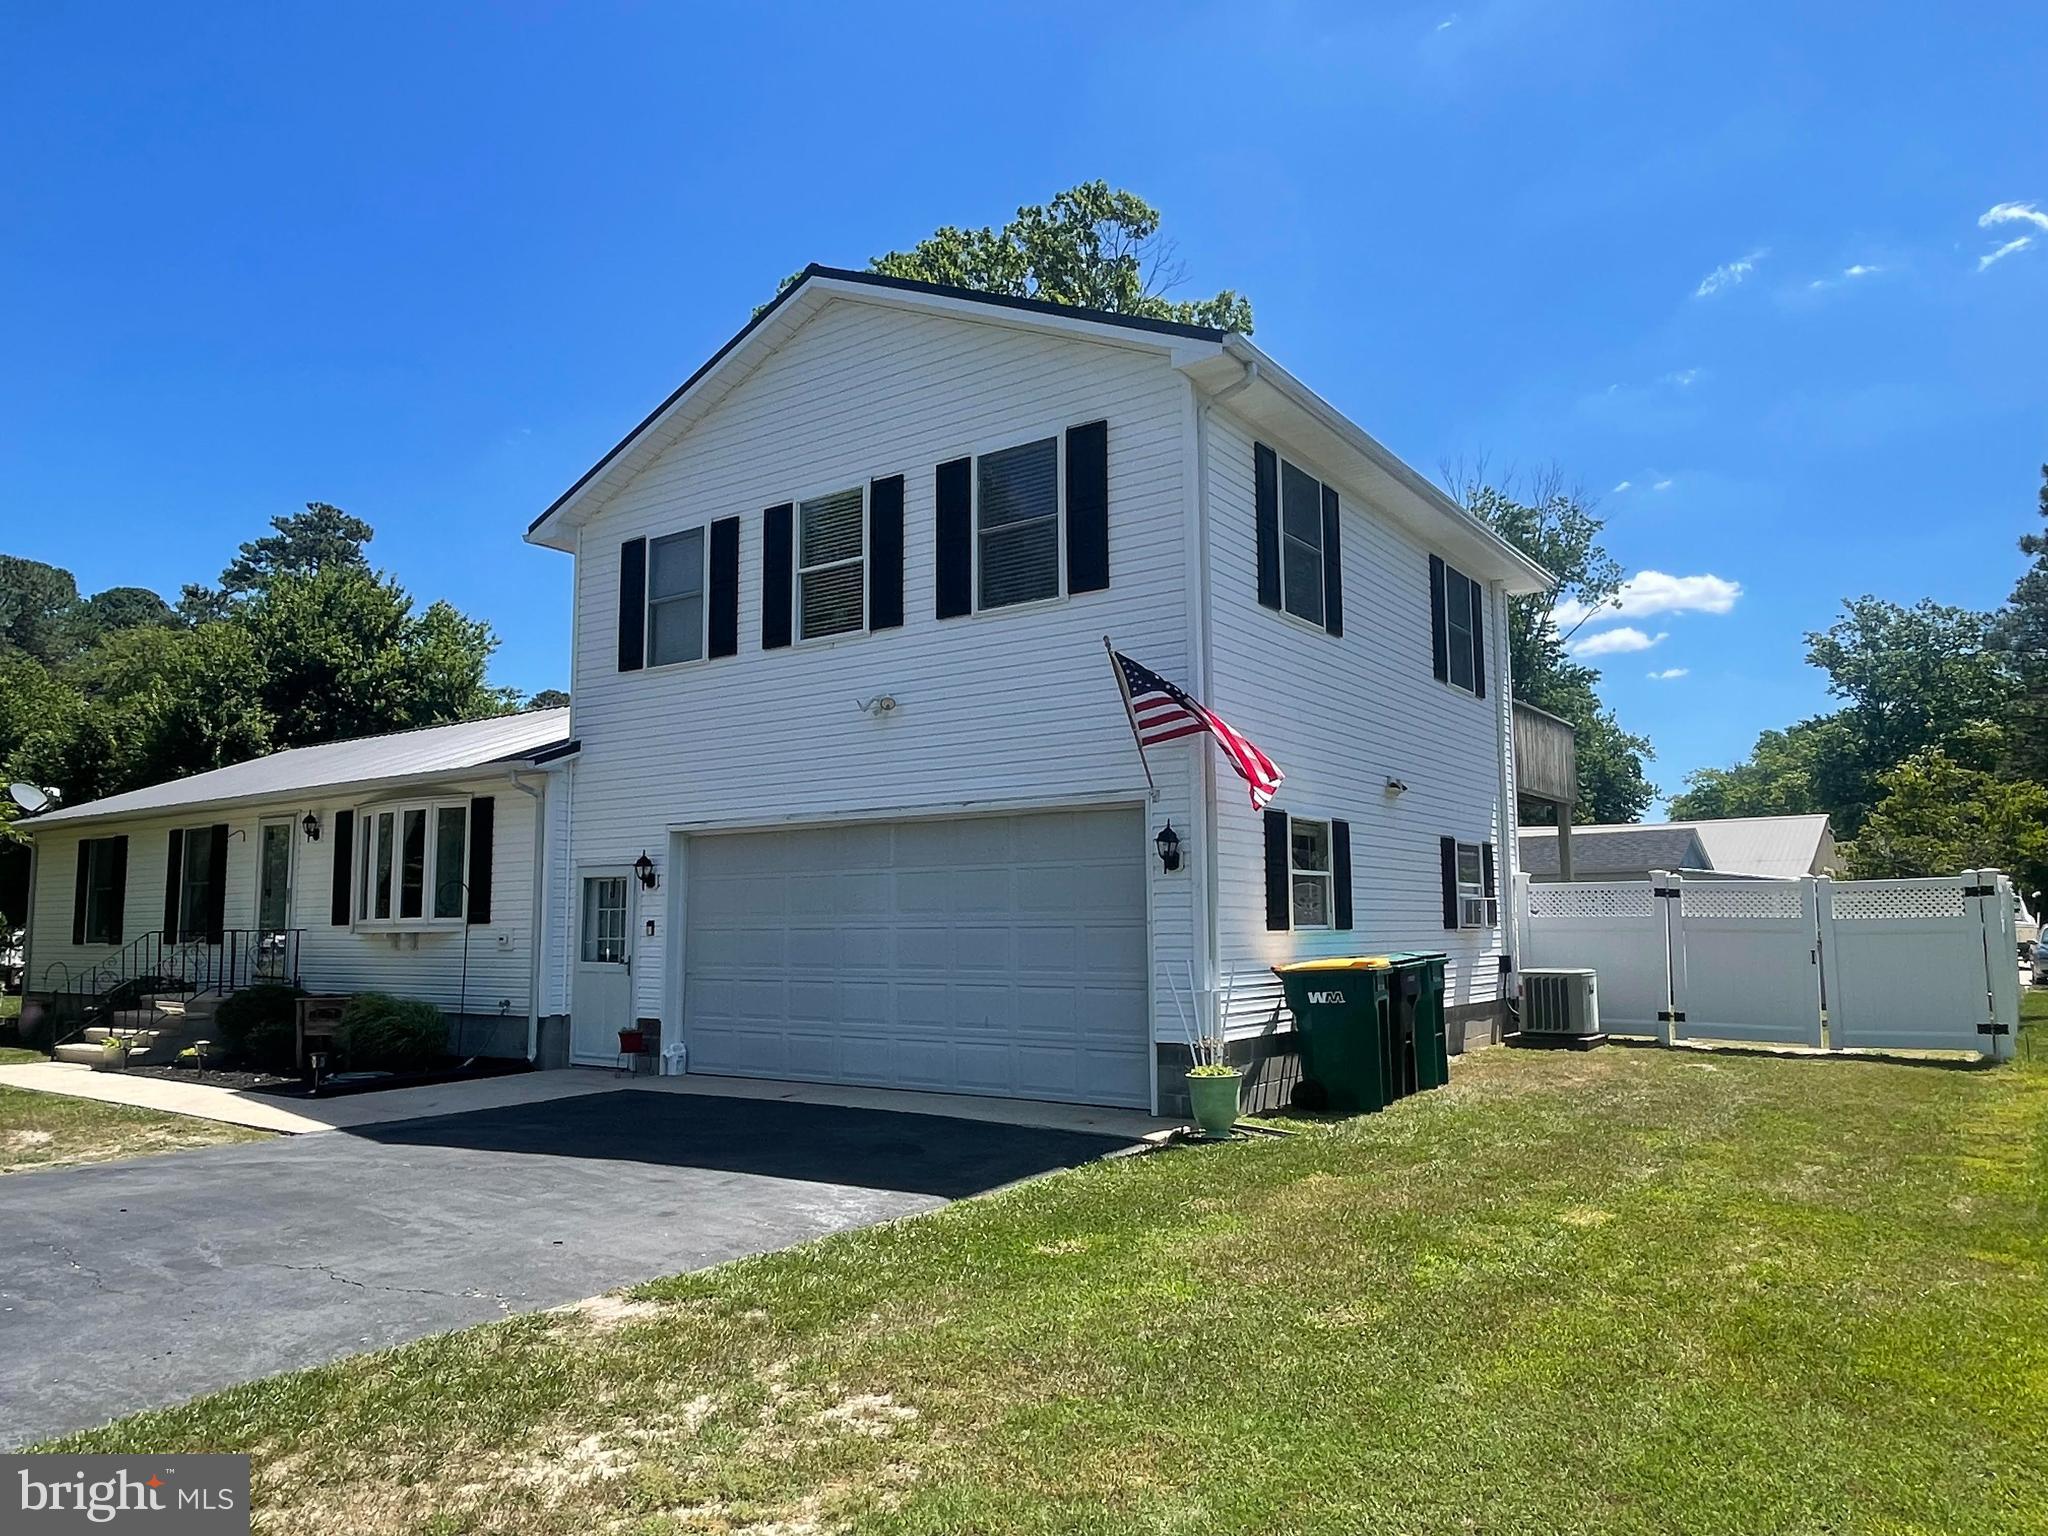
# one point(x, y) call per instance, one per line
point(675, 1059)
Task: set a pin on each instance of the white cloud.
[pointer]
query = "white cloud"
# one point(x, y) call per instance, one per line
point(1670, 674)
point(1662, 485)
point(1728, 274)
point(1619, 488)
point(1681, 377)
point(2013, 213)
point(2004, 251)
point(1618, 642)
point(1653, 592)
point(2010, 213)
point(1861, 269)
point(1448, 22)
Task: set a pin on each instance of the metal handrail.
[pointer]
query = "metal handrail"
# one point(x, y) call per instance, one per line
point(177, 967)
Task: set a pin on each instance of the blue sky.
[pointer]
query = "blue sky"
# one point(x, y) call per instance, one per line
point(1726, 265)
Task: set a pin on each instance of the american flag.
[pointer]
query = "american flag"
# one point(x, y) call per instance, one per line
point(1161, 712)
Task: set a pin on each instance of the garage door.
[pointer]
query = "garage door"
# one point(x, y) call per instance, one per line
point(999, 955)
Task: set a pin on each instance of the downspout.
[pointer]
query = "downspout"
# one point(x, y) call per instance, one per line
point(1508, 860)
point(1204, 660)
point(536, 913)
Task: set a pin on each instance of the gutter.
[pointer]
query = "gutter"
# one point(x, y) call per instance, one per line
point(535, 912)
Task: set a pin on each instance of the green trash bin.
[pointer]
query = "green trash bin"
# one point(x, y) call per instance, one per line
point(1340, 1012)
point(1416, 1030)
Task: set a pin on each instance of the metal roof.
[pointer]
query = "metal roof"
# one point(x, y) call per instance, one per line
point(1772, 847)
point(435, 750)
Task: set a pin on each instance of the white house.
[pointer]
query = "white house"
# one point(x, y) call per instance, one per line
point(839, 674)
point(414, 863)
point(1728, 848)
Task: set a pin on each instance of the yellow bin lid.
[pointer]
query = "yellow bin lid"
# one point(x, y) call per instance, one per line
point(1341, 963)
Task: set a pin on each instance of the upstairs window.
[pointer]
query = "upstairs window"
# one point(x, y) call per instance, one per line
point(675, 598)
point(831, 564)
point(1017, 524)
point(1301, 544)
point(1459, 603)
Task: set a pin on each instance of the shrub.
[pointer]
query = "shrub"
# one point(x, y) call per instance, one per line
point(260, 1026)
point(380, 1033)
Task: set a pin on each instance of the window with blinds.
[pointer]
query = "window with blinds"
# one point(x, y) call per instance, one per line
point(831, 564)
point(1017, 524)
point(675, 598)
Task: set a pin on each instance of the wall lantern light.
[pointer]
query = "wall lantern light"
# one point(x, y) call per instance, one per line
point(1168, 844)
point(311, 827)
point(644, 868)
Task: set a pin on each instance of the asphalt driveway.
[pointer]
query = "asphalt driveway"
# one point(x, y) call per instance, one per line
point(129, 1286)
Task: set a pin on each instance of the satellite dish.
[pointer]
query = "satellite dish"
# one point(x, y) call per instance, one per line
point(28, 797)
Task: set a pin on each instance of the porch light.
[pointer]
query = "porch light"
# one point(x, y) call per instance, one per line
point(644, 868)
point(311, 827)
point(1168, 844)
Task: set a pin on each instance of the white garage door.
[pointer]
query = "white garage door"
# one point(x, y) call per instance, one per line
point(998, 954)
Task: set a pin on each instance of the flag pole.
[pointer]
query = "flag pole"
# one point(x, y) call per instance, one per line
point(1123, 688)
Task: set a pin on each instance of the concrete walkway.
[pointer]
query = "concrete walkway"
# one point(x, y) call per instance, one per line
point(299, 1117)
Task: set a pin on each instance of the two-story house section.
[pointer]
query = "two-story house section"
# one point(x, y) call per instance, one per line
point(839, 680)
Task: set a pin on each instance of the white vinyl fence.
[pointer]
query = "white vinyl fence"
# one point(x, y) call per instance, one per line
point(1883, 964)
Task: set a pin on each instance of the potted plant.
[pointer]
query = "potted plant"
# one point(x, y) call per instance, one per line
point(1213, 1083)
point(113, 1054)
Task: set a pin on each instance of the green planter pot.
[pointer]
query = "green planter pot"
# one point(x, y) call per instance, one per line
point(1214, 1100)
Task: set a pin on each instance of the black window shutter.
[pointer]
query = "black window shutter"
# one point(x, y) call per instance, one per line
point(725, 587)
point(217, 884)
point(1439, 633)
point(778, 574)
point(632, 605)
point(117, 918)
point(1088, 507)
point(80, 891)
point(1486, 868)
point(483, 816)
point(1266, 501)
point(1478, 639)
point(885, 553)
point(174, 868)
point(955, 538)
point(344, 868)
point(1333, 566)
point(1279, 889)
point(1449, 847)
point(1340, 872)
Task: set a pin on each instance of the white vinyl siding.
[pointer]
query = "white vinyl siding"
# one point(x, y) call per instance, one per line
point(675, 598)
point(1340, 721)
point(424, 961)
point(1016, 708)
point(831, 564)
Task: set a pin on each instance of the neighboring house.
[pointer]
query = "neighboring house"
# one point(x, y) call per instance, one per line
point(839, 675)
point(1741, 847)
point(410, 863)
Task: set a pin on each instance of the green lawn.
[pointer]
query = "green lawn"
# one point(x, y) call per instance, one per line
point(1630, 1290)
point(48, 1130)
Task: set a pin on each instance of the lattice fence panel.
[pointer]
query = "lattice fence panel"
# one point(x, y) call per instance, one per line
point(1864, 902)
point(1574, 900)
point(1745, 899)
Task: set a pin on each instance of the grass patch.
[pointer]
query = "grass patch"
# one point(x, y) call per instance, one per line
point(1632, 1290)
point(51, 1130)
point(10, 1007)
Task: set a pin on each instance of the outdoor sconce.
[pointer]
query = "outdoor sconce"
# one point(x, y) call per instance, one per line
point(644, 868)
point(1168, 844)
point(1396, 787)
point(311, 827)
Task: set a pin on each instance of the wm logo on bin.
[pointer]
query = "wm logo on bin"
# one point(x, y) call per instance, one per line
point(1320, 998)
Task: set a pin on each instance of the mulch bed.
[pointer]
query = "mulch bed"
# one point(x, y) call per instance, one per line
point(214, 1077)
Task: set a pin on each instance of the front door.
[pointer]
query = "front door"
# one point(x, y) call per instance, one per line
point(603, 1001)
point(274, 898)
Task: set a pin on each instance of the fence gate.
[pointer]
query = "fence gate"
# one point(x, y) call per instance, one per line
point(1906, 964)
point(1925, 965)
point(1620, 929)
point(1746, 965)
